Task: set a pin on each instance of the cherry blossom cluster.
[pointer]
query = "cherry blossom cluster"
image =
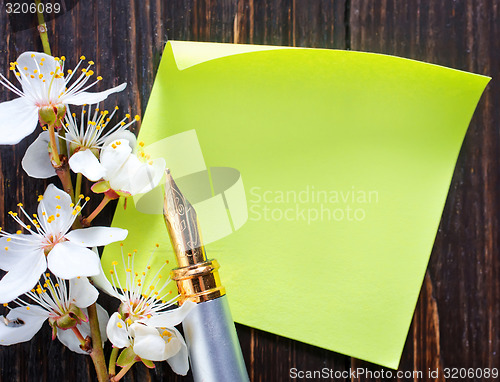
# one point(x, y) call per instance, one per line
point(51, 262)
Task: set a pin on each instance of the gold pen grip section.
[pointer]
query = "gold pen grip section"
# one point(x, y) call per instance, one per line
point(199, 282)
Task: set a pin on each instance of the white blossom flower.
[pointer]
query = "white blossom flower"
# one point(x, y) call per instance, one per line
point(145, 320)
point(49, 244)
point(119, 169)
point(90, 134)
point(63, 304)
point(44, 86)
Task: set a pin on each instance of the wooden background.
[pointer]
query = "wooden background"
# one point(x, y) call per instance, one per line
point(457, 319)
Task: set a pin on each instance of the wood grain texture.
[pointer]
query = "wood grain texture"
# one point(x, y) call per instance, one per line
point(458, 313)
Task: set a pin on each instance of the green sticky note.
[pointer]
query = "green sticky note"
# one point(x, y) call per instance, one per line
point(319, 177)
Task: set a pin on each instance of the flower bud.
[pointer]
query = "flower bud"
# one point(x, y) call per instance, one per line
point(72, 317)
point(52, 115)
point(60, 111)
point(47, 115)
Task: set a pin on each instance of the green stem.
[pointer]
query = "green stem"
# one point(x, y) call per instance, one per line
point(63, 147)
point(88, 220)
point(112, 361)
point(61, 167)
point(78, 186)
point(65, 176)
point(97, 353)
point(53, 145)
point(78, 335)
point(122, 372)
point(42, 28)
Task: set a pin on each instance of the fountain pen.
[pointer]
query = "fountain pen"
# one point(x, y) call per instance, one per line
point(213, 345)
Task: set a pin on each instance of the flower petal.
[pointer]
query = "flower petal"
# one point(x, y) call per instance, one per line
point(34, 87)
point(82, 292)
point(32, 320)
point(36, 160)
point(179, 362)
point(148, 343)
point(52, 197)
point(152, 177)
point(81, 98)
point(17, 249)
point(170, 318)
point(117, 332)
point(114, 156)
point(121, 135)
point(22, 277)
point(103, 318)
point(102, 282)
point(18, 119)
point(96, 236)
point(125, 179)
point(55, 201)
point(68, 260)
point(85, 162)
point(68, 339)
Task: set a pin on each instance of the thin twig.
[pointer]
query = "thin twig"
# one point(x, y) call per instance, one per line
point(42, 28)
point(97, 353)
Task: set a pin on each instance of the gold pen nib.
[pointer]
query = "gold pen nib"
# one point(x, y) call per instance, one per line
point(197, 278)
point(182, 225)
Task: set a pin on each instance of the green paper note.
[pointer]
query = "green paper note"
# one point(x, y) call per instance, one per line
point(345, 160)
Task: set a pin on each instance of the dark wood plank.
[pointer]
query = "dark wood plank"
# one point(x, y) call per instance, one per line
point(464, 265)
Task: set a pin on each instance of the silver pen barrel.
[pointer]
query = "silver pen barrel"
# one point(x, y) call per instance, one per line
point(213, 345)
